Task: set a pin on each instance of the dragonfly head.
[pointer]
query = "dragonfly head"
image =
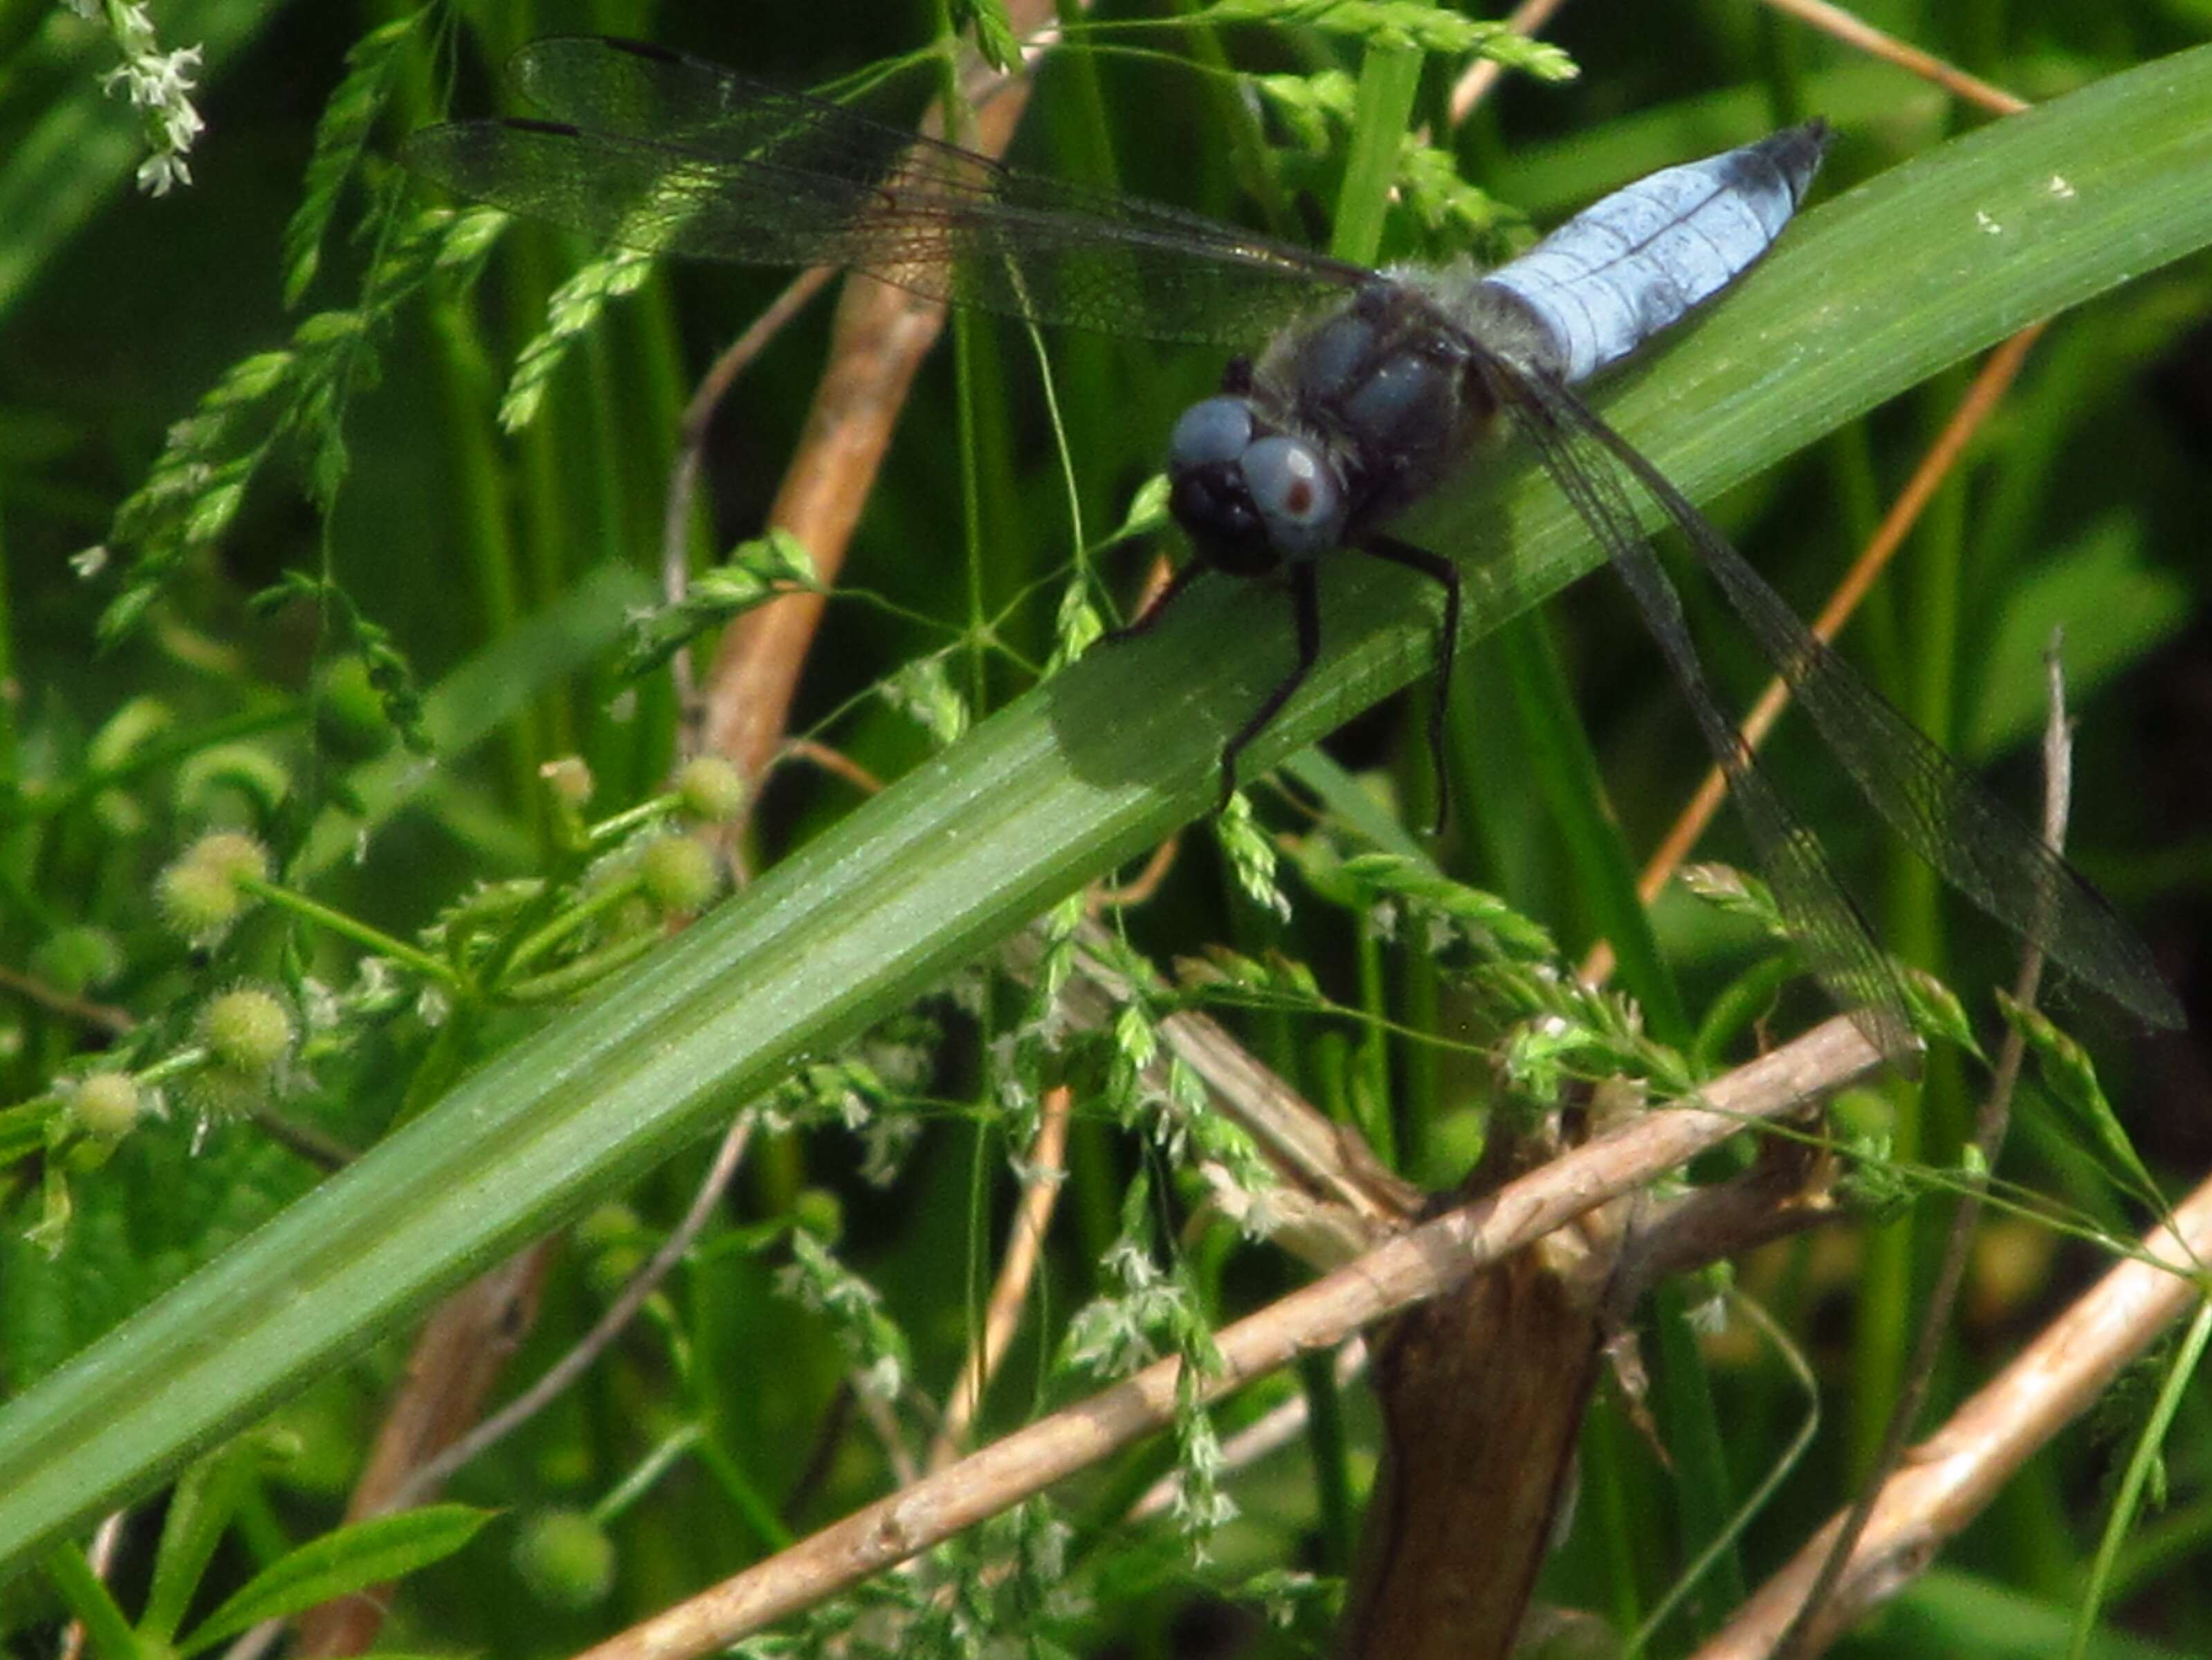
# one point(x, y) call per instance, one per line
point(1251, 498)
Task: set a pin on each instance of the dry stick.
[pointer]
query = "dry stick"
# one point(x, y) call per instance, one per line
point(690, 450)
point(1146, 883)
point(454, 1363)
point(1471, 88)
point(1024, 1246)
point(100, 1557)
point(1981, 399)
point(303, 1141)
point(1990, 1123)
point(1980, 402)
point(35, 990)
point(836, 763)
point(878, 342)
point(1853, 32)
point(447, 1379)
point(1406, 1270)
point(457, 1357)
point(1946, 1480)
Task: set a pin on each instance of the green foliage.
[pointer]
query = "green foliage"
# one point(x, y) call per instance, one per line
point(342, 829)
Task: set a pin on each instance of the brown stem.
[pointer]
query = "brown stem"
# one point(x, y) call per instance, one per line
point(1387, 1280)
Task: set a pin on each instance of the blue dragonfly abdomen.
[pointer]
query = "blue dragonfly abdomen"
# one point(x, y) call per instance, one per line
point(1635, 262)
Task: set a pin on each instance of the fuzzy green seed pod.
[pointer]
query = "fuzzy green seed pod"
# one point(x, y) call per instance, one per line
point(108, 1105)
point(233, 853)
point(678, 874)
point(249, 1030)
point(198, 901)
point(709, 790)
point(220, 1093)
point(566, 1559)
point(199, 895)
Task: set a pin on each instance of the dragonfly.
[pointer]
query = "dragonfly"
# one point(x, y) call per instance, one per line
point(1372, 387)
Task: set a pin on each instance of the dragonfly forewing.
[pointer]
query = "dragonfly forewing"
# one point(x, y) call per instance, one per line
point(667, 155)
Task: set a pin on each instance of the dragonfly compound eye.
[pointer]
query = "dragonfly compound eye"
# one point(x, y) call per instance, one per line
point(1215, 429)
point(1297, 494)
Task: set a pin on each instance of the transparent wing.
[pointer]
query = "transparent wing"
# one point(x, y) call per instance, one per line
point(667, 153)
point(1935, 806)
point(1827, 927)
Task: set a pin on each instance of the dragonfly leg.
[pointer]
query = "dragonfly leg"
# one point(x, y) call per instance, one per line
point(1441, 571)
point(1305, 604)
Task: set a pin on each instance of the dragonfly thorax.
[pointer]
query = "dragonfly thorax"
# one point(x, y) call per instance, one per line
point(1342, 423)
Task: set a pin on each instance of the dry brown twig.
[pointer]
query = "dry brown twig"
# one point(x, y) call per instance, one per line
point(1951, 1477)
point(1862, 36)
point(1396, 1275)
point(1047, 1163)
point(1990, 1123)
point(456, 1358)
point(1974, 410)
point(878, 339)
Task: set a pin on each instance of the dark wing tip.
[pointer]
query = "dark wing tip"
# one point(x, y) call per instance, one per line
point(644, 49)
point(2154, 1002)
point(531, 124)
point(474, 159)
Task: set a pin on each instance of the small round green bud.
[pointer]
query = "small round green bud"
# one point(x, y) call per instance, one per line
point(568, 780)
point(677, 873)
point(607, 1224)
point(198, 901)
point(613, 1245)
point(199, 895)
point(709, 790)
point(220, 1093)
point(350, 720)
point(231, 854)
point(108, 1105)
point(1864, 1115)
point(75, 959)
point(821, 1213)
point(566, 1559)
point(249, 1030)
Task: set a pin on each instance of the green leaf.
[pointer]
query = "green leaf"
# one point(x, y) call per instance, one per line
point(1940, 257)
point(2070, 1076)
point(353, 106)
point(198, 1515)
point(756, 572)
point(995, 40)
point(348, 1559)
